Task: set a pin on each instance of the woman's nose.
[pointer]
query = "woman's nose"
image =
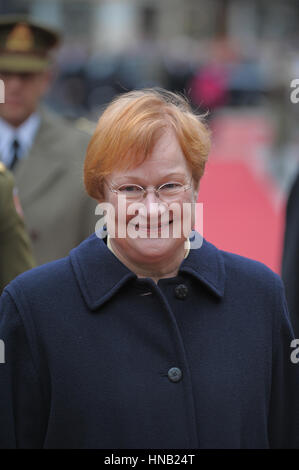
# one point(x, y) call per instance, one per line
point(153, 204)
point(151, 197)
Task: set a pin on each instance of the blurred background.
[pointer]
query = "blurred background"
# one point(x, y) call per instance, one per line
point(234, 59)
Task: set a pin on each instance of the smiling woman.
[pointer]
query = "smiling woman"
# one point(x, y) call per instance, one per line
point(130, 128)
point(140, 342)
point(148, 139)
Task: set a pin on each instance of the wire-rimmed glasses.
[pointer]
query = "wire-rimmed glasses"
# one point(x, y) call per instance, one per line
point(165, 192)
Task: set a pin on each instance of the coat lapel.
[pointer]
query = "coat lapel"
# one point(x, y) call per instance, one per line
point(100, 274)
point(42, 165)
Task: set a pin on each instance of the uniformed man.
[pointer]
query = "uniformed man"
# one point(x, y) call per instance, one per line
point(15, 250)
point(44, 152)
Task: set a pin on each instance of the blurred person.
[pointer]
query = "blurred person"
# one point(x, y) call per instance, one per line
point(45, 153)
point(15, 251)
point(147, 341)
point(209, 87)
point(290, 260)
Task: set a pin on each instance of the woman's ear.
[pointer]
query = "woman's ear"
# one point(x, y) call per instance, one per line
point(195, 190)
point(100, 194)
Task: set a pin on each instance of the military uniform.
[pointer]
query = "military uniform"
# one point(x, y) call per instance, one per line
point(49, 176)
point(57, 210)
point(15, 250)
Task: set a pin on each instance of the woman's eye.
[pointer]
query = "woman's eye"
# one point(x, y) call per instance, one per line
point(129, 189)
point(170, 186)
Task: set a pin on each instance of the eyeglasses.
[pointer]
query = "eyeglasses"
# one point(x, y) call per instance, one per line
point(166, 192)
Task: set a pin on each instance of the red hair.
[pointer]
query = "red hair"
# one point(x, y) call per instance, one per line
point(130, 127)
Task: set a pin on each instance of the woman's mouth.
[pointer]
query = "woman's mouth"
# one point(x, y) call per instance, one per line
point(153, 229)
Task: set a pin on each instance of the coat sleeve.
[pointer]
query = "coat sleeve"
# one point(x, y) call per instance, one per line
point(284, 404)
point(23, 423)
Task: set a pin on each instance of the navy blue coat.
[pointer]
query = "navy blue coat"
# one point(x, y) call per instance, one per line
point(90, 351)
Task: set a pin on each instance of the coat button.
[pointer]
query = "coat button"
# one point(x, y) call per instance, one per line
point(174, 374)
point(181, 291)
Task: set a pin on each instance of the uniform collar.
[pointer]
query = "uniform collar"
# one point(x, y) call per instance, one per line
point(100, 274)
point(25, 134)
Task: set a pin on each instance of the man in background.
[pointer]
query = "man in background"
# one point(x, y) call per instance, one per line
point(44, 152)
point(15, 250)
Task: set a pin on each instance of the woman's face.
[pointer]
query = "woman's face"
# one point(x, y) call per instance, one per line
point(155, 218)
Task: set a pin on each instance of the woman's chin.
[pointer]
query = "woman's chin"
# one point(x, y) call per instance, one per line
point(155, 248)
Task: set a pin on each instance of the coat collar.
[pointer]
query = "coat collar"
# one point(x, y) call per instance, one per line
point(100, 274)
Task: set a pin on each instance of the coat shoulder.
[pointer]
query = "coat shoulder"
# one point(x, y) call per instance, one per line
point(42, 280)
point(249, 272)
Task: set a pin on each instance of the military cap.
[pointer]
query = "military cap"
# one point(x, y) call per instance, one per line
point(25, 45)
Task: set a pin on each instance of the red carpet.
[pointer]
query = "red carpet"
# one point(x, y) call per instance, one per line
point(241, 212)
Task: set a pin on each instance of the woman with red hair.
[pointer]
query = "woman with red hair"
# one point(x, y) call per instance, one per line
point(141, 338)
